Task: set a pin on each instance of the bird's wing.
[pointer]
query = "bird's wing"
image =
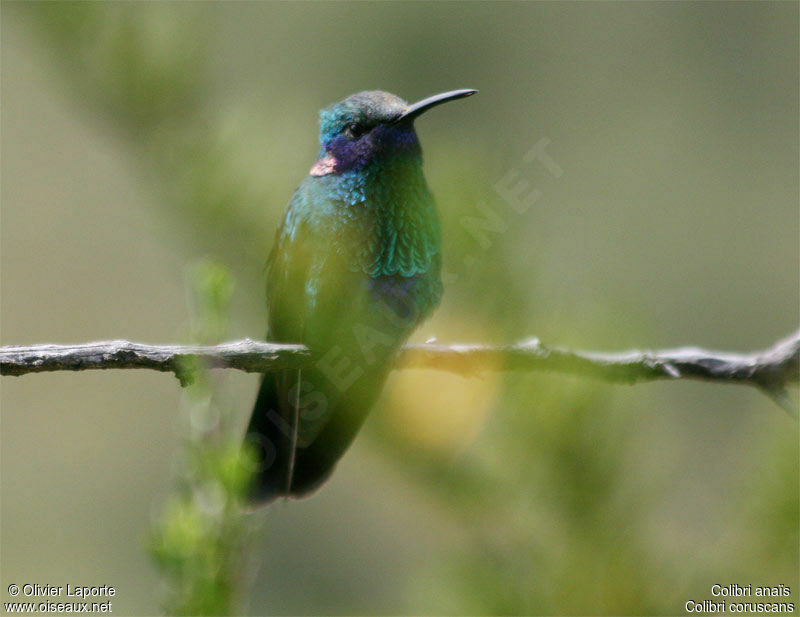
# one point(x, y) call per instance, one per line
point(287, 273)
point(274, 424)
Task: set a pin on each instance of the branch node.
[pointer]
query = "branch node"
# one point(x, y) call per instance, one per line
point(671, 370)
point(780, 396)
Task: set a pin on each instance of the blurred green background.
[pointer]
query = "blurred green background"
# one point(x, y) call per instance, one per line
point(138, 138)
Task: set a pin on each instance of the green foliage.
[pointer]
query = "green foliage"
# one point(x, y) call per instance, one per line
point(560, 535)
point(140, 63)
point(209, 304)
point(143, 68)
point(200, 539)
point(562, 512)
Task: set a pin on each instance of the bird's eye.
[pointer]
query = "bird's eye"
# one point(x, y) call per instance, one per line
point(353, 131)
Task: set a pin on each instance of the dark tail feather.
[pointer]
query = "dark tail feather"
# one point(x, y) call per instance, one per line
point(294, 463)
point(269, 434)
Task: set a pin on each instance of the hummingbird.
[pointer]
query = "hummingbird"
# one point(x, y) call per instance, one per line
point(354, 269)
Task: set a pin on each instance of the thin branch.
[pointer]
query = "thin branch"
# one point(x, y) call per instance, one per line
point(770, 370)
point(245, 355)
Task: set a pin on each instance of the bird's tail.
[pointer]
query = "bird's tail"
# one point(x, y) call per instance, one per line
point(272, 433)
point(300, 427)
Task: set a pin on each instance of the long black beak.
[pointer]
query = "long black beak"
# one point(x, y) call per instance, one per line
point(424, 105)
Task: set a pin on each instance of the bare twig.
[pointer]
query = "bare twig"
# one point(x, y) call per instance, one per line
point(245, 355)
point(770, 370)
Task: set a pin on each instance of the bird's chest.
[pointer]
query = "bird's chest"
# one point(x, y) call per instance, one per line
point(383, 223)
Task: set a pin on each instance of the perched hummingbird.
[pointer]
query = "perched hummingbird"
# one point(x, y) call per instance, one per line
point(354, 268)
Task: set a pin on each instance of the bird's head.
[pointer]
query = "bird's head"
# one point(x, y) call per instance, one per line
point(370, 126)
